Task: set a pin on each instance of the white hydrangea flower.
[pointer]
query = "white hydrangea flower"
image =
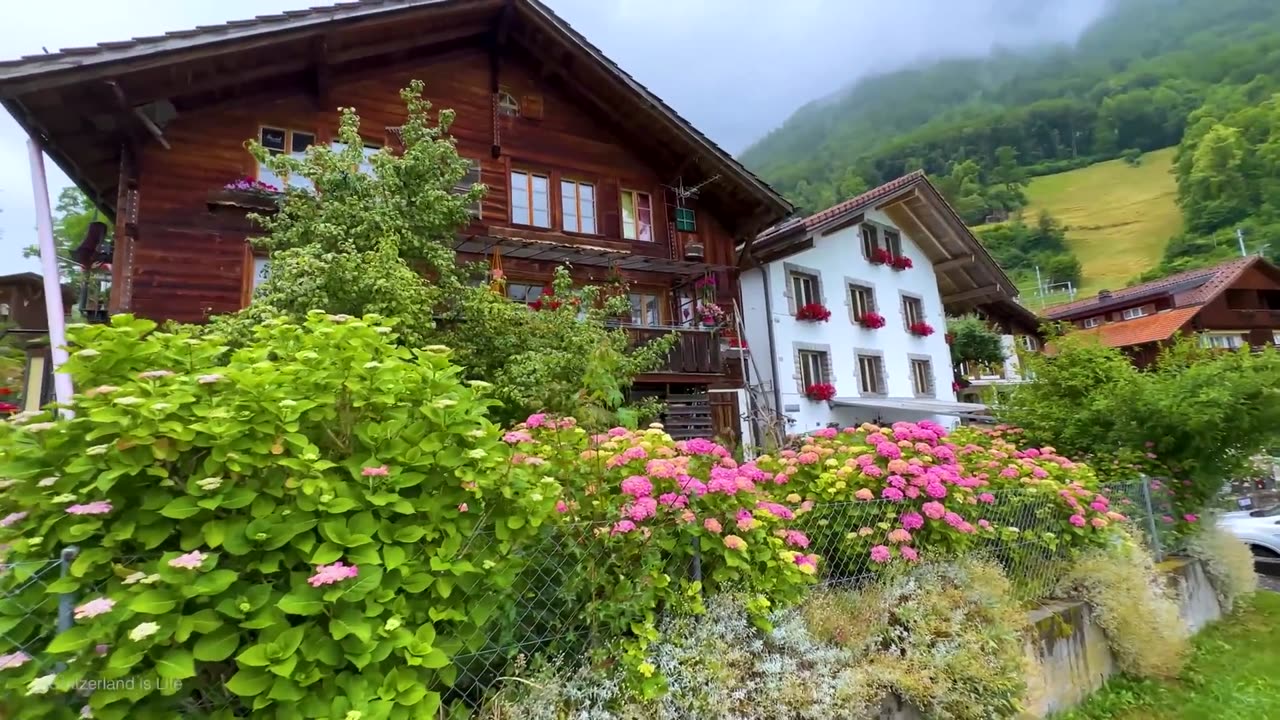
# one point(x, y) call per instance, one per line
point(143, 631)
point(41, 685)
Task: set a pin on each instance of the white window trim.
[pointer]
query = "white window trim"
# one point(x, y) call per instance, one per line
point(530, 219)
point(1133, 313)
point(851, 287)
point(1235, 340)
point(1092, 322)
point(271, 178)
point(571, 191)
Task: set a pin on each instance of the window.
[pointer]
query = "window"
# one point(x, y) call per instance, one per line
point(578, 205)
point(922, 378)
point(278, 141)
point(804, 289)
point(464, 185)
point(1029, 343)
point(1131, 313)
point(1275, 339)
point(366, 167)
point(637, 216)
point(912, 310)
point(524, 292)
point(862, 300)
point(813, 368)
point(530, 199)
point(507, 103)
point(871, 375)
point(1221, 341)
point(261, 271)
point(870, 241)
point(685, 220)
point(1092, 322)
point(893, 242)
point(646, 309)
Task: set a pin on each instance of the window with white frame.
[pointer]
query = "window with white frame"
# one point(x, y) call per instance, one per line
point(893, 242)
point(637, 216)
point(646, 309)
point(862, 299)
point(261, 271)
point(912, 310)
point(1092, 322)
point(366, 167)
point(530, 199)
point(1131, 313)
point(870, 241)
point(281, 141)
point(813, 368)
point(578, 206)
point(804, 289)
point(922, 378)
point(871, 375)
point(1275, 338)
point(1222, 341)
point(524, 292)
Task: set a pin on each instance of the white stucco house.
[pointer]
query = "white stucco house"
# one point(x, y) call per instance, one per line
point(888, 266)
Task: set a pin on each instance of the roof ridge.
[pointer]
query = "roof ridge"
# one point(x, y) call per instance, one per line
point(1208, 274)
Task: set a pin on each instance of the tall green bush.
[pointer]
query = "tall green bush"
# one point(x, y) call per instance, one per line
point(314, 524)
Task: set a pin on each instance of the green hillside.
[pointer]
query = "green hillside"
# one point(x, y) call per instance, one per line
point(1118, 217)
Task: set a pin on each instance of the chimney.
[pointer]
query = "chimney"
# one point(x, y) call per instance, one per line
point(1104, 295)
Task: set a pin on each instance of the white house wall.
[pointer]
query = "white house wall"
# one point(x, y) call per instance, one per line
point(837, 260)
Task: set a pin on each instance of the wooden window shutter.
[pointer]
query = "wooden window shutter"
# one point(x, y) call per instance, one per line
point(608, 201)
point(531, 107)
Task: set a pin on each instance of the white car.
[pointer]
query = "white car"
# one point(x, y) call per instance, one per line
point(1259, 529)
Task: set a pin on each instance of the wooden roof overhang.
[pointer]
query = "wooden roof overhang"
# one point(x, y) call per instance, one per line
point(575, 254)
point(86, 104)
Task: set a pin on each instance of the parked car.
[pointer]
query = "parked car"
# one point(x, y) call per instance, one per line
point(1259, 529)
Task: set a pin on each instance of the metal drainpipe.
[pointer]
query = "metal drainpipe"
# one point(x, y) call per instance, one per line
point(773, 365)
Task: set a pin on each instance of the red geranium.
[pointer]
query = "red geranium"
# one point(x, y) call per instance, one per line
point(920, 329)
point(820, 391)
point(5, 391)
point(813, 312)
point(871, 321)
point(880, 256)
point(7, 408)
point(901, 262)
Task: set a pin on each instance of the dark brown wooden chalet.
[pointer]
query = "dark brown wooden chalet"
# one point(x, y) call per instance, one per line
point(1231, 305)
point(154, 127)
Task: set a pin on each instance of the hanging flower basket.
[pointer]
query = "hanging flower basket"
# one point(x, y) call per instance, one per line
point(871, 321)
point(712, 315)
point(880, 256)
point(901, 262)
point(820, 391)
point(813, 312)
point(920, 329)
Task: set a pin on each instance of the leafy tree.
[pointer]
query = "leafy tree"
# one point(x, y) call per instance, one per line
point(73, 213)
point(973, 341)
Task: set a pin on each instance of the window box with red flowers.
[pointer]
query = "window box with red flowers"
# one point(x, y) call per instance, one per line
point(871, 321)
point(881, 256)
point(813, 312)
point(820, 391)
point(920, 329)
point(900, 262)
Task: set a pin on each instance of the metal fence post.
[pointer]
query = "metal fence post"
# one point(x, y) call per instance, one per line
point(66, 601)
point(1151, 519)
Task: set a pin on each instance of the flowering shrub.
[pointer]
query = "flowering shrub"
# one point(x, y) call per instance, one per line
point(6, 407)
point(813, 312)
point(920, 328)
point(871, 320)
point(901, 262)
point(655, 504)
point(820, 391)
point(289, 529)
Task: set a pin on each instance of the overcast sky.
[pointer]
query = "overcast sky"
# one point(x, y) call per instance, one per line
point(734, 68)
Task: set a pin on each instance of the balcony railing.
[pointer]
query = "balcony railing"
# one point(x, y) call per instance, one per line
point(697, 350)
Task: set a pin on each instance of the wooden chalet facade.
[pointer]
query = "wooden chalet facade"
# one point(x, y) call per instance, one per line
point(579, 159)
point(1235, 304)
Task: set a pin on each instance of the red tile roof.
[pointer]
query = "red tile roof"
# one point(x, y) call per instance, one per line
point(867, 198)
point(1193, 287)
point(1152, 328)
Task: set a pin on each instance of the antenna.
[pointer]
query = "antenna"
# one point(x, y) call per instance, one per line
point(683, 193)
point(1240, 239)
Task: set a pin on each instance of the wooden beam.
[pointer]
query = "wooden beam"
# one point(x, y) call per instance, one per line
point(911, 213)
point(135, 114)
point(321, 74)
point(953, 263)
point(974, 294)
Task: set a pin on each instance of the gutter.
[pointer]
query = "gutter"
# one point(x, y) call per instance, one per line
point(773, 376)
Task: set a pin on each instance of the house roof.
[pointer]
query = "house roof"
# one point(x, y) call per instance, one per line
point(967, 273)
point(1193, 287)
point(31, 86)
point(1151, 328)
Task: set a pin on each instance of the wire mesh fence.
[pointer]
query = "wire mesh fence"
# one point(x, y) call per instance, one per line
point(558, 594)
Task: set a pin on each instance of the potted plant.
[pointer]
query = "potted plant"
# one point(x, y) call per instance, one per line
point(694, 251)
point(247, 192)
point(901, 262)
point(820, 391)
point(712, 315)
point(920, 328)
point(871, 320)
point(881, 256)
point(813, 312)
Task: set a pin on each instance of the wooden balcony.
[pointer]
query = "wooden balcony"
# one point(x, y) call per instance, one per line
point(696, 352)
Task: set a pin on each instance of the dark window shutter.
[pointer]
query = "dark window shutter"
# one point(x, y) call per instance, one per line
point(608, 203)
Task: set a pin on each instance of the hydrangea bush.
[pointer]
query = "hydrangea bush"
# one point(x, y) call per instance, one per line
point(297, 528)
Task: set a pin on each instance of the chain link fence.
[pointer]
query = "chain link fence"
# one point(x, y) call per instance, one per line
point(558, 601)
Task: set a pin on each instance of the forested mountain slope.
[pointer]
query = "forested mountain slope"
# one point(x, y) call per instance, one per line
point(1148, 75)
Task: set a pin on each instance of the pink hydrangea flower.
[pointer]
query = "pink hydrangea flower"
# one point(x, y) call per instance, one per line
point(891, 493)
point(888, 450)
point(934, 510)
point(379, 471)
point(745, 519)
point(909, 553)
point(562, 507)
point(462, 507)
point(912, 521)
point(1190, 518)
point(642, 509)
point(12, 518)
point(94, 608)
point(881, 554)
point(330, 574)
point(984, 524)
point(795, 538)
point(713, 525)
point(536, 420)
point(935, 490)
point(899, 535)
point(987, 498)
point(637, 486)
point(953, 519)
point(97, 507)
point(14, 660)
point(190, 561)
point(733, 542)
point(517, 436)
point(1077, 520)
point(864, 494)
point(1098, 522)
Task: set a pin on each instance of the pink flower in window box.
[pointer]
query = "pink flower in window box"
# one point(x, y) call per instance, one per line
point(813, 312)
point(820, 391)
point(880, 256)
point(901, 262)
point(920, 329)
point(871, 321)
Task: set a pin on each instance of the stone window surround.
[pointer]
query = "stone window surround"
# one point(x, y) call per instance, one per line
point(787, 270)
point(827, 368)
point(858, 354)
point(902, 308)
point(880, 229)
point(933, 383)
point(848, 296)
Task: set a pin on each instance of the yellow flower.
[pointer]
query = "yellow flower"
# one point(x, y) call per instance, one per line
point(646, 669)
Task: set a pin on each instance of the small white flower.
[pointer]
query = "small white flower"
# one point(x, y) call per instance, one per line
point(47, 482)
point(98, 450)
point(209, 483)
point(155, 374)
point(136, 577)
point(87, 352)
point(208, 379)
point(40, 426)
point(41, 685)
point(143, 631)
point(127, 400)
